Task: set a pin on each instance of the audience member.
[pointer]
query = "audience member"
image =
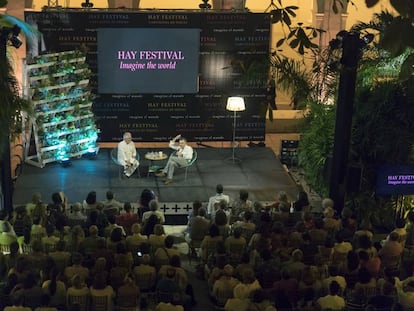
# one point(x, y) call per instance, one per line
point(332, 301)
point(217, 198)
point(154, 210)
point(127, 219)
point(110, 201)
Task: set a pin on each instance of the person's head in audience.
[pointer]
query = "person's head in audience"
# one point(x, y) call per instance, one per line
point(109, 195)
point(77, 281)
point(26, 235)
point(93, 216)
point(146, 196)
point(202, 212)
point(221, 217)
point(352, 260)
point(241, 292)
point(389, 274)
point(333, 270)
point(136, 228)
point(283, 207)
point(99, 281)
point(302, 198)
point(116, 235)
point(76, 207)
point(50, 229)
point(329, 212)
point(364, 276)
point(363, 256)
point(100, 264)
point(6, 227)
point(258, 207)
point(297, 255)
point(14, 248)
point(159, 229)
point(334, 288)
point(36, 198)
point(29, 281)
point(408, 286)
point(308, 276)
point(327, 203)
point(61, 245)
point(169, 241)
point(237, 233)
point(91, 198)
point(400, 223)
point(248, 216)
point(219, 188)
point(213, 231)
point(77, 232)
point(228, 270)
point(282, 197)
point(57, 198)
point(93, 231)
point(145, 259)
point(153, 205)
point(170, 273)
point(248, 276)
point(196, 206)
point(243, 195)
point(127, 207)
point(100, 206)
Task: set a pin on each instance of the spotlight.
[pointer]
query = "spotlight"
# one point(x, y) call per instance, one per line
point(65, 162)
point(15, 41)
point(87, 4)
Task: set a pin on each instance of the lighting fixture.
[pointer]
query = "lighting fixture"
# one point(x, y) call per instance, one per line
point(235, 104)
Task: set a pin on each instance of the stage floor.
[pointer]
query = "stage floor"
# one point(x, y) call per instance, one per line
point(259, 172)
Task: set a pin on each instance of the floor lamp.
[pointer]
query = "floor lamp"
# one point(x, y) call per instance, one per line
point(235, 104)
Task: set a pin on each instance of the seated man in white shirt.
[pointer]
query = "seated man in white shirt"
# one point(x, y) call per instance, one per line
point(182, 156)
point(127, 155)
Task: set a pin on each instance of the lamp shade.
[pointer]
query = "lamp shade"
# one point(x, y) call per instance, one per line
point(235, 104)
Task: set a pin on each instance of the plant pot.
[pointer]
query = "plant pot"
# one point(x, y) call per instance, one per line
point(130, 4)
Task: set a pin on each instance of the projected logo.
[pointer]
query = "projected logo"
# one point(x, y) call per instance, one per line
point(160, 61)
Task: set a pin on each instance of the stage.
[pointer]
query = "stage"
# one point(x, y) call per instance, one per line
point(259, 172)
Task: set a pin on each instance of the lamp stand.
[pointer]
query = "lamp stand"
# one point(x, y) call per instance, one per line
point(233, 157)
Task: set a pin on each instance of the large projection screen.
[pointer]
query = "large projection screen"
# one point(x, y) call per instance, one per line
point(148, 60)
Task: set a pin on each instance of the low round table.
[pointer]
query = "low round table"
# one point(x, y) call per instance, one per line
point(155, 156)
